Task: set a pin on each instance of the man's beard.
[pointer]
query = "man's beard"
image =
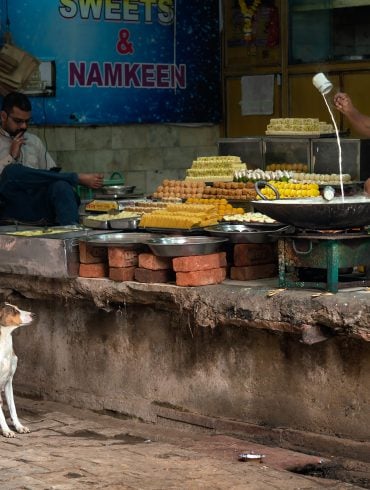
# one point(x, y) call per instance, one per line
point(13, 134)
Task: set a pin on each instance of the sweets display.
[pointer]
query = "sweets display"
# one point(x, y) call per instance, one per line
point(290, 190)
point(300, 126)
point(110, 216)
point(183, 216)
point(178, 189)
point(258, 174)
point(231, 190)
point(222, 206)
point(250, 217)
point(320, 179)
point(172, 189)
point(214, 169)
point(296, 167)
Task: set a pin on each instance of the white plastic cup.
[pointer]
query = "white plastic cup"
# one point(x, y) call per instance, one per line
point(322, 84)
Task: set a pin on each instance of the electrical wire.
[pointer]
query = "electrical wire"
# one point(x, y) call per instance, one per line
point(44, 131)
point(7, 21)
point(174, 38)
point(7, 35)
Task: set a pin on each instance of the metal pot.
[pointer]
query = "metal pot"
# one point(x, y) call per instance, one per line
point(318, 214)
point(120, 190)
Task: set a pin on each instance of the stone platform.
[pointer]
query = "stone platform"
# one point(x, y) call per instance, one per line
point(288, 367)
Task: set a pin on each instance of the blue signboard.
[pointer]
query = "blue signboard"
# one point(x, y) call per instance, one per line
point(123, 61)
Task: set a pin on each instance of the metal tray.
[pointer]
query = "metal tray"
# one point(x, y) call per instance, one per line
point(131, 241)
point(52, 232)
point(181, 246)
point(253, 224)
point(247, 234)
point(55, 255)
point(95, 224)
point(114, 224)
point(124, 223)
point(174, 231)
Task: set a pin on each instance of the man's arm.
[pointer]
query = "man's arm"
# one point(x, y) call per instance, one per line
point(34, 154)
point(7, 154)
point(360, 122)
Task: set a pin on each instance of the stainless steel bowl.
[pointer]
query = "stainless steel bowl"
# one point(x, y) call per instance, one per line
point(130, 240)
point(181, 246)
point(119, 190)
point(247, 234)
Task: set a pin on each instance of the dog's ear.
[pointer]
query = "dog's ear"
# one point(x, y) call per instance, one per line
point(7, 311)
point(3, 309)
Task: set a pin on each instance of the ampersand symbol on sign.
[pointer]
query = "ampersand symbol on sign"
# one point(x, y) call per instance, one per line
point(123, 45)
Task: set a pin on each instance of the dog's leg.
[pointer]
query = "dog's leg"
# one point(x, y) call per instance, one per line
point(4, 426)
point(11, 405)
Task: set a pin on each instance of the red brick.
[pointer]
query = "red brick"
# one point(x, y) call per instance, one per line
point(94, 270)
point(252, 272)
point(201, 278)
point(121, 257)
point(146, 275)
point(199, 262)
point(122, 273)
point(154, 263)
point(254, 254)
point(89, 254)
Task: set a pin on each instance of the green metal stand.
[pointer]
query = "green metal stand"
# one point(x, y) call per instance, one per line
point(330, 254)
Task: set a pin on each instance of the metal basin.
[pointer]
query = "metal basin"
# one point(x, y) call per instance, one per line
point(318, 214)
point(181, 246)
point(130, 240)
point(247, 234)
point(119, 190)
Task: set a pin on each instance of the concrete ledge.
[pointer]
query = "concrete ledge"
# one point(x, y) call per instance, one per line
point(308, 314)
point(292, 363)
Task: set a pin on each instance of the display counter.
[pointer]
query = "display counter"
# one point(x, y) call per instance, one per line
point(288, 366)
point(321, 155)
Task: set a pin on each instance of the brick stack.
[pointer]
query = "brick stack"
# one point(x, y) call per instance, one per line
point(154, 269)
point(122, 263)
point(254, 261)
point(250, 261)
point(93, 261)
point(200, 270)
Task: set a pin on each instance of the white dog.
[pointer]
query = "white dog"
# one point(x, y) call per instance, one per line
point(11, 318)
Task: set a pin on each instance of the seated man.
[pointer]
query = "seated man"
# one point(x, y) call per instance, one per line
point(29, 191)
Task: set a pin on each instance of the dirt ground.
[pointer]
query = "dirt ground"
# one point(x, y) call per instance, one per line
point(72, 449)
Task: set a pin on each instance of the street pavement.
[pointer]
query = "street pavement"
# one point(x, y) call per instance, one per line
point(72, 449)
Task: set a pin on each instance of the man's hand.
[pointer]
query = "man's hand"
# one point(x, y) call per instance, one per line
point(16, 145)
point(343, 103)
point(93, 181)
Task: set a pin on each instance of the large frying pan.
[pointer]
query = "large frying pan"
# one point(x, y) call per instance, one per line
point(317, 213)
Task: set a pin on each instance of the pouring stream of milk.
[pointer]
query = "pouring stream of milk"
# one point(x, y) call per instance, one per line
point(339, 147)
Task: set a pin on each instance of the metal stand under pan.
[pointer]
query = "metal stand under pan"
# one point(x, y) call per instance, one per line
point(329, 260)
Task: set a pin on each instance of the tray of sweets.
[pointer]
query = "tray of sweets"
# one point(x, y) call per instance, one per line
point(241, 233)
point(174, 231)
point(113, 223)
point(130, 240)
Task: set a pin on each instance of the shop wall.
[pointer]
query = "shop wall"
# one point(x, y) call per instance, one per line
point(144, 154)
point(336, 43)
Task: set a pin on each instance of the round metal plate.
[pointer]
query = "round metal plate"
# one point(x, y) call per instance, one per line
point(125, 240)
point(183, 246)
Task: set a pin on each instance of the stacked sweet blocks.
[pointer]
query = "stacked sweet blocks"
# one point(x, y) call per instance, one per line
point(296, 125)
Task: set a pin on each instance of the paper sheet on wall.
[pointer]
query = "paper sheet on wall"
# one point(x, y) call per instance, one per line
point(257, 95)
